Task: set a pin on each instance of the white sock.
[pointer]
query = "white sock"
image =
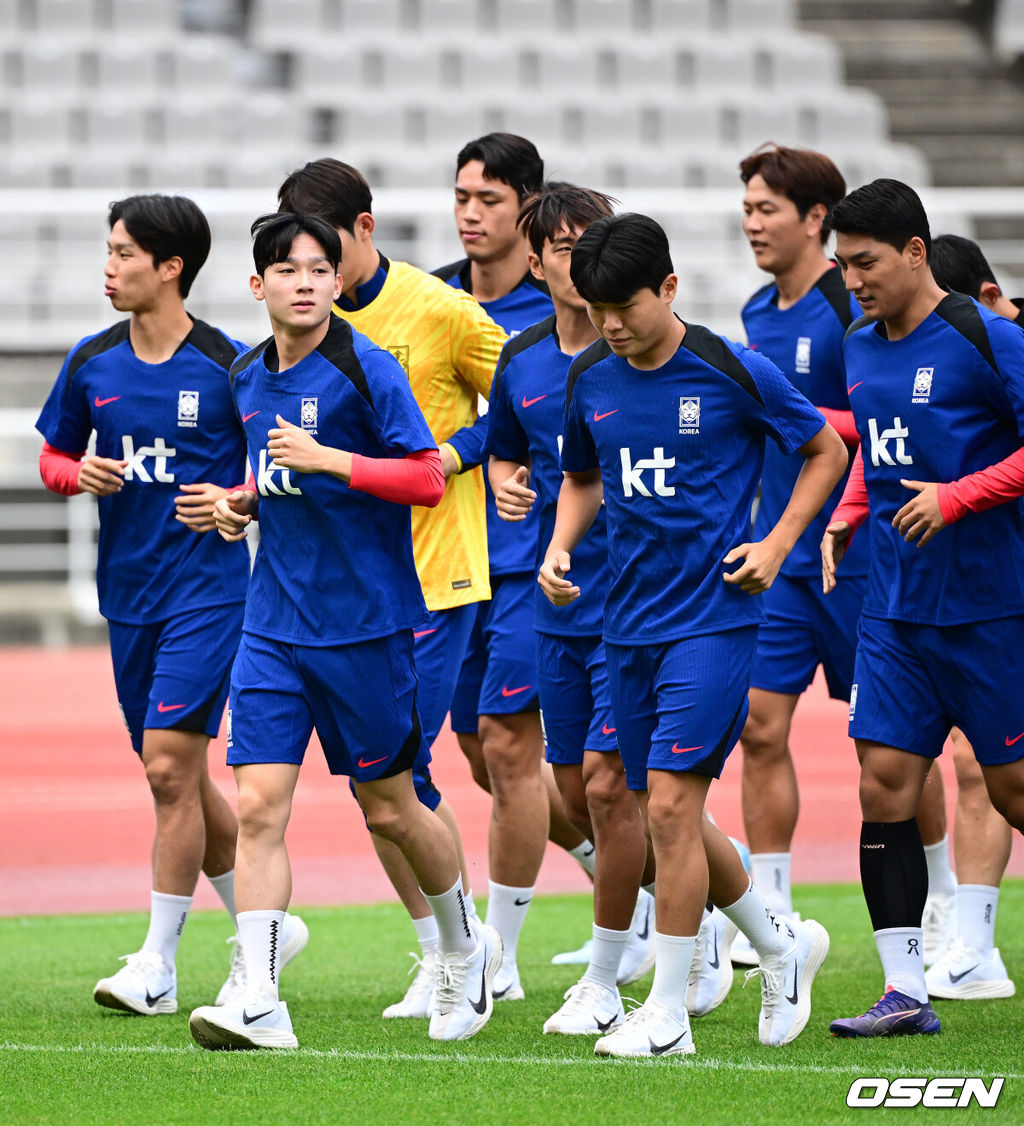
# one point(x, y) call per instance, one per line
point(259, 932)
point(224, 886)
point(584, 853)
point(426, 932)
point(455, 936)
point(771, 876)
point(167, 915)
point(672, 971)
point(940, 875)
point(506, 912)
point(976, 914)
point(605, 956)
point(757, 921)
point(901, 950)
point(471, 910)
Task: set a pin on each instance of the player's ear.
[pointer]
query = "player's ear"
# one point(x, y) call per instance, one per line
point(338, 284)
point(365, 225)
point(256, 285)
point(170, 268)
point(989, 294)
point(536, 267)
point(916, 254)
point(669, 289)
point(814, 218)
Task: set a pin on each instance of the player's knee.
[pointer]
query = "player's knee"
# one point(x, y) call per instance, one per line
point(169, 781)
point(259, 814)
point(606, 792)
point(764, 739)
point(387, 820)
point(510, 759)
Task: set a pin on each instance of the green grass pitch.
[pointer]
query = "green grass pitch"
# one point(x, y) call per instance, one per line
point(64, 1060)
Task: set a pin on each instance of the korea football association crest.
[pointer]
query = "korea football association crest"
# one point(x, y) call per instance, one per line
point(802, 359)
point(689, 414)
point(923, 385)
point(308, 413)
point(188, 409)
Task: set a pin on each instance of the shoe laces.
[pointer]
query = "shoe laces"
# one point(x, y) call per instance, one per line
point(771, 984)
point(236, 974)
point(890, 1002)
point(641, 1014)
point(425, 969)
point(450, 982)
point(586, 994)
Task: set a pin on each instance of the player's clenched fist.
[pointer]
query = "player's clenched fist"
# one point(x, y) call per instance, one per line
point(232, 513)
point(101, 476)
point(291, 447)
point(553, 582)
point(514, 498)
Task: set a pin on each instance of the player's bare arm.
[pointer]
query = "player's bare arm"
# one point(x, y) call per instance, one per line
point(233, 512)
point(195, 504)
point(510, 482)
point(294, 448)
point(825, 461)
point(579, 501)
point(833, 547)
point(102, 476)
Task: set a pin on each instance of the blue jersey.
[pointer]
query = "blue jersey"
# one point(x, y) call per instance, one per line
point(510, 550)
point(175, 425)
point(334, 565)
point(940, 403)
point(680, 451)
point(526, 413)
point(805, 342)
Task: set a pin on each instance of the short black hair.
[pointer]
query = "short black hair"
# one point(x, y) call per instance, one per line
point(886, 210)
point(958, 265)
point(803, 176)
point(329, 188)
point(559, 205)
point(506, 157)
point(166, 226)
point(273, 236)
point(618, 256)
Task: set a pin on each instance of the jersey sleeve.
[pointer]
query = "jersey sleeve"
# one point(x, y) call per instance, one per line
point(476, 342)
point(505, 437)
point(66, 420)
point(403, 429)
point(469, 443)
point(783, 412)
point(1007, 342)
point(579, 454)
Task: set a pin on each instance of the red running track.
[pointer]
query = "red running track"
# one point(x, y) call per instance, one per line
point(78, 819)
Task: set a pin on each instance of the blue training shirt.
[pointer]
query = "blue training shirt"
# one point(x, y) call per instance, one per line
point(174, 424)
point(805, 342)
point(527, 408)
point(680, 451)
point(334, 565)
point(944, 401)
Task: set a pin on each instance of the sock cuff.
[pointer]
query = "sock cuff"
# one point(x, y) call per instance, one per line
point(607, 935)
point(493, 887)
point(944, 843)
point(673, 939)
point(183, 901)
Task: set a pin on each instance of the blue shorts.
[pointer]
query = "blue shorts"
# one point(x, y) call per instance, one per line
point(174, 674)
point(361, 699)
point(806, 628)
point(912, 683)
point(499, 675)
point(574, 701)
point(680, 705)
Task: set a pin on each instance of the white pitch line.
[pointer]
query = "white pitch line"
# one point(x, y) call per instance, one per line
point(703, 1063)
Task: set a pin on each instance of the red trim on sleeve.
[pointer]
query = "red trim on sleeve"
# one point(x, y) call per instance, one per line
point(416, 478)
point(853, 506)
point(985, 489)
point(59, 470)
point(842, 423)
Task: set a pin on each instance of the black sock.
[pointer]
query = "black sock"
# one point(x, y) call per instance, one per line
point(893, 873)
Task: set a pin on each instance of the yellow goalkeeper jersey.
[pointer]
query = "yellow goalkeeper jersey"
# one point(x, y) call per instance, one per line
point(449, 348)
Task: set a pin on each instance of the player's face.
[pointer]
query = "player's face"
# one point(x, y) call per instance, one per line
point(300, 290)
point(485, 214)
point(553, 267)
point(774, 229)
point(883, 279)
point(637, 329)
point(131, 281)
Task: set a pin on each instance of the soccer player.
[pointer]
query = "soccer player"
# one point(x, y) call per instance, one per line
point(524, 434)
point(342, 450)
point(154, 389)
point(448, 347)
point(938, 392)
point(665, 423)
point(495, 709)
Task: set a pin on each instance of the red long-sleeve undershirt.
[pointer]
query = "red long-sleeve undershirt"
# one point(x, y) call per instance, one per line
point(59, 470)
point(416, 478)
point(842, 423)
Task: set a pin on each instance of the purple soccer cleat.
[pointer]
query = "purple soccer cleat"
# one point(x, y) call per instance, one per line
point(893, 1014)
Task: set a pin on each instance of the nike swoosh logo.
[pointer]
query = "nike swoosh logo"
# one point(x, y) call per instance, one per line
point(372, 762)
point(794, 998)
point(1010, 742)
point(597, 418)
point(251, 414)
point(589, 851)
point(520, 902)
point(424, 633)
point(714, 964)
point(481, 1005)
point(162, 707)
point(661, 1049)
point(497, 994)
point(606, 730)
point(954, 978)
point(850, 390)
point(246, 1019)
point(506, 691)
point(642, 935)
point(151, 1000)
point(682, 750)
point(529, 402)
point(604, 1025)
point(102, 403)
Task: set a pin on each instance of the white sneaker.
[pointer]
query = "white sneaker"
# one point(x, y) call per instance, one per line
point(463, 1000)
point(257, 1020)
point(965, 973)
point(939, 923)
point(579, 957)
point(419, 997)
point(294, 934)
point(711, 970)
point(589, 1007)
point(743, 953)
point(638, 956)
point(145, 984)
point(507, 986)
point(786, 984)
point(650, 1030)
